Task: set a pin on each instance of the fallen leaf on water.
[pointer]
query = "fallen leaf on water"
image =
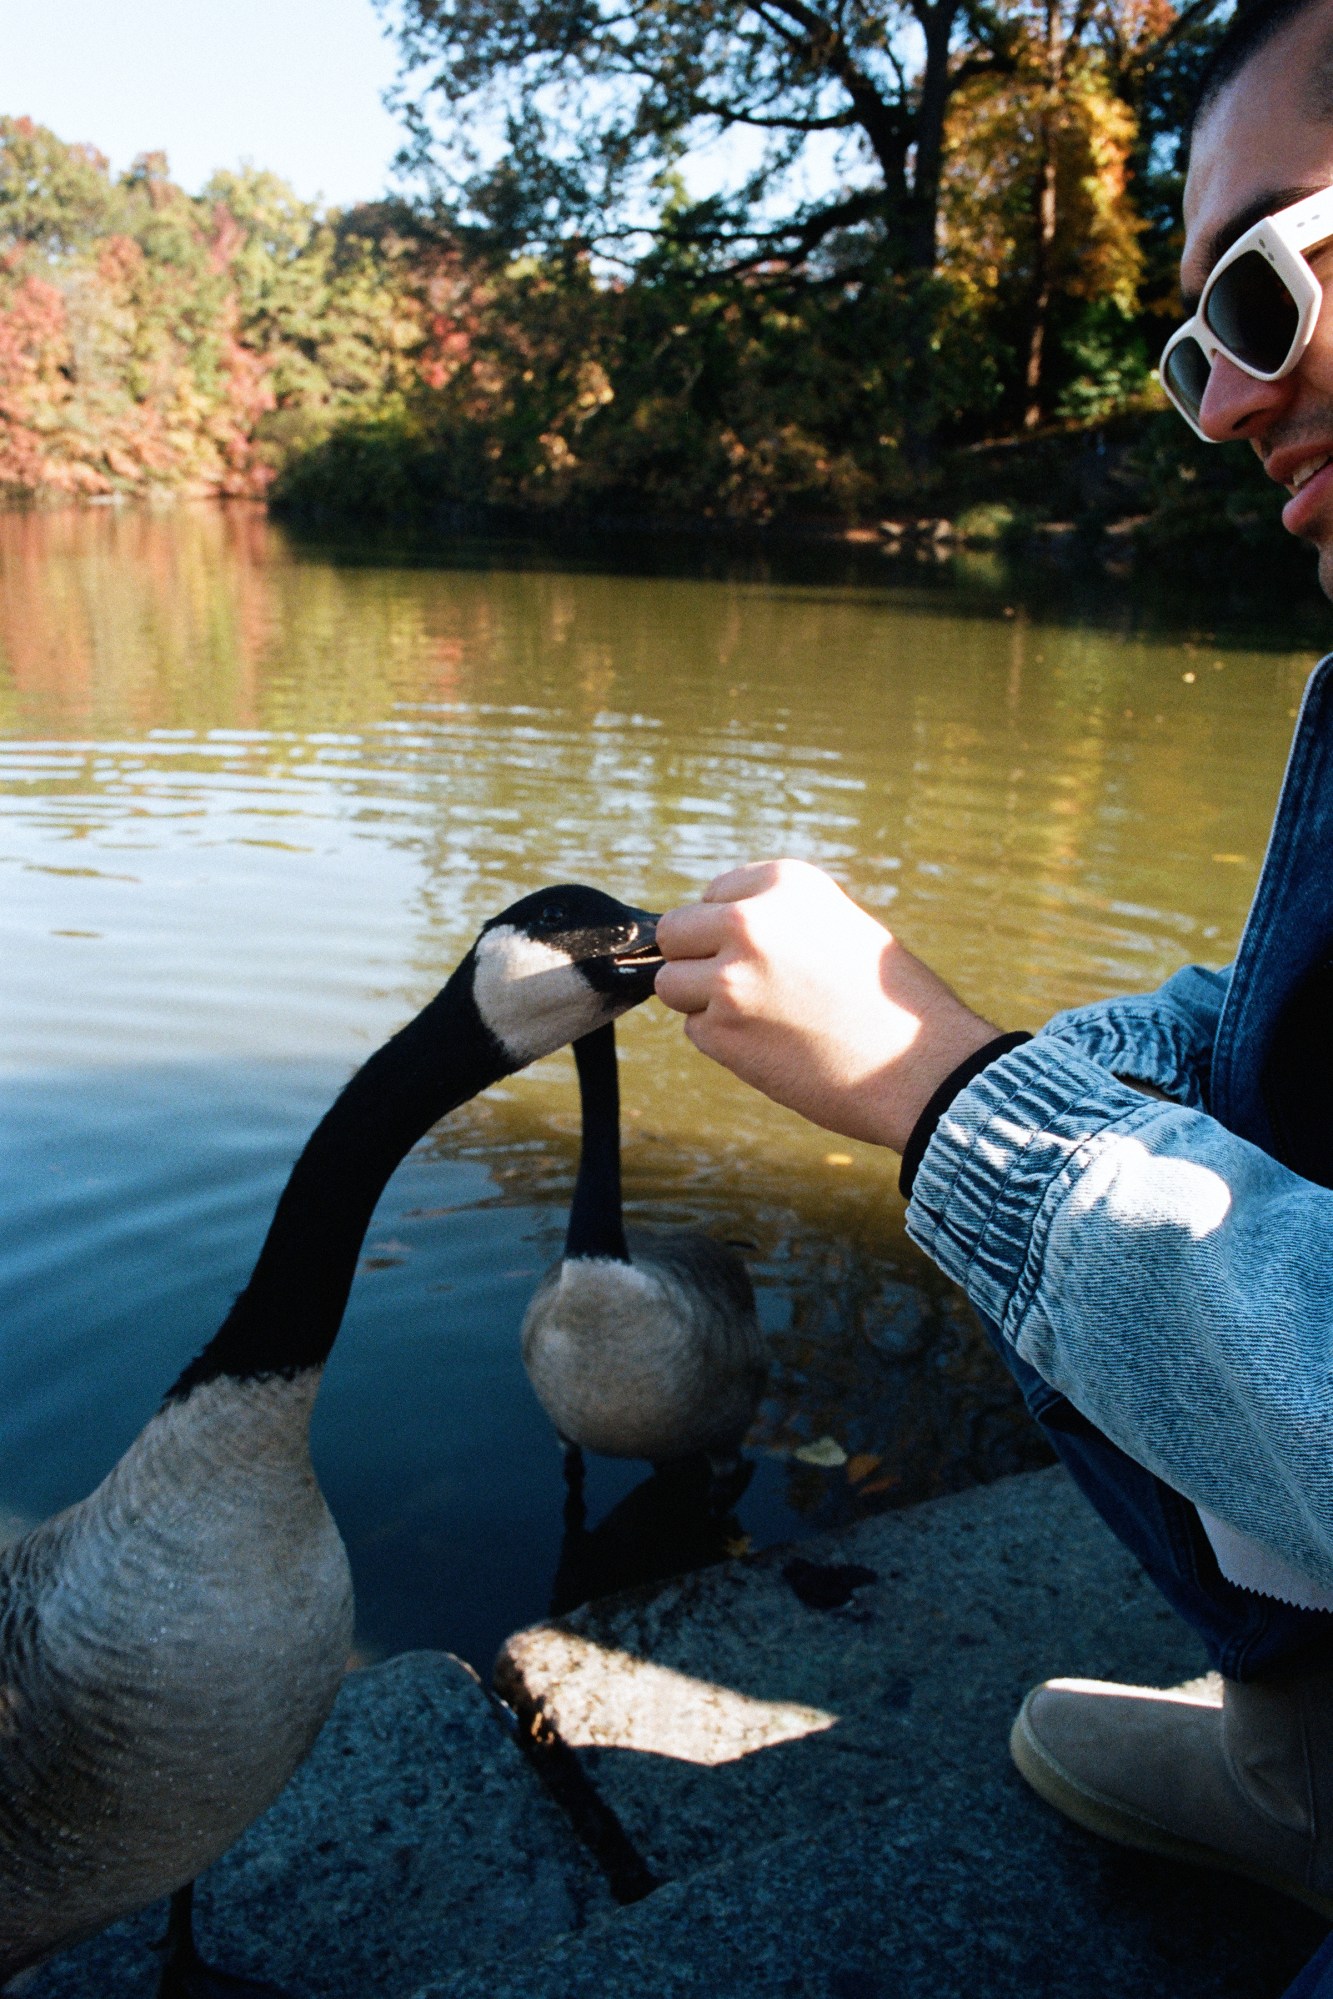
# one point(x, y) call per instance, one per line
point(741, 1545)
point(826, 1452)
point(861, 1464)
point(885, 1484)
point(837, 1158)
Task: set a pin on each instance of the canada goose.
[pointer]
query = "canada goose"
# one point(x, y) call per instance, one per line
point(171, 1646)
point(646, 1347)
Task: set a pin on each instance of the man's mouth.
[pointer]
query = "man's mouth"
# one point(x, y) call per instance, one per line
point(1303, 474)
point(1307, 475)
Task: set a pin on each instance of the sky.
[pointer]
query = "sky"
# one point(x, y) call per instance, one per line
point(292, 85)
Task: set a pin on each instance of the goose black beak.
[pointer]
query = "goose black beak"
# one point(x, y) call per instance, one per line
point(636, 961)
point(641, 946)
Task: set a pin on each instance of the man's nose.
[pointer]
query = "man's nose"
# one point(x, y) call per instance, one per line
point(1235, 405)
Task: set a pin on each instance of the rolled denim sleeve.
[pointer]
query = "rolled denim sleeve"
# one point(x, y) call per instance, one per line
point(1164, 1038)
point(1172, 1280)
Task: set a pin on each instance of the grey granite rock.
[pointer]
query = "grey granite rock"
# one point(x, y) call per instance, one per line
point(415, 1839)
point(810, 1746)
point(748, 1701)
point(970, 1890)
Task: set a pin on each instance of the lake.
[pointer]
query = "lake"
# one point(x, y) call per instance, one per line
point(256, 799)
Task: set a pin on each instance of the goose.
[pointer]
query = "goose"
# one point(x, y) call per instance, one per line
point(171, 1645)
point(642, 1347)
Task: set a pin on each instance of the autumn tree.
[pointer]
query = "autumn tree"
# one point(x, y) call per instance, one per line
point(155, 340)
point(1038, 233)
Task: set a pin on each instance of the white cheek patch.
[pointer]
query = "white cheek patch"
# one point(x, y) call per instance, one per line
point(531, 995)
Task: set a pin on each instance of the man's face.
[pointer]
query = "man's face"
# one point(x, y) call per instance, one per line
point(1265, 142)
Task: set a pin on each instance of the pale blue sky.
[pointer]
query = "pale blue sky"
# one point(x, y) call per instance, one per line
point(293, 85)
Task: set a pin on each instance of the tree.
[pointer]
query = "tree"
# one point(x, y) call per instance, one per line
point(150, 339)
point(1038, 234)
point(595, 99)
point(52, 196)
point(551, 123)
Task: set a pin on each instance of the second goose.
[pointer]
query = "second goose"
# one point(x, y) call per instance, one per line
point(640, 1346)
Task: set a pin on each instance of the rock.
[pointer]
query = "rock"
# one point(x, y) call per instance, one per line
point(415, 1839)
point(811, 1745)
point(970, 1890)
point(730, 1706)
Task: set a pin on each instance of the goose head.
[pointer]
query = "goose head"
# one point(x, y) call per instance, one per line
point(558, 964)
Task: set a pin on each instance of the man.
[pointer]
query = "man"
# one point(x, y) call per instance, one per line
point(1136, 1200)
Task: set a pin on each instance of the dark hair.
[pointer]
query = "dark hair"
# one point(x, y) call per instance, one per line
point(1251, 27)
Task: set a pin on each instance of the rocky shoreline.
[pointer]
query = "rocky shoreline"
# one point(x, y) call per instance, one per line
point(783, 1775)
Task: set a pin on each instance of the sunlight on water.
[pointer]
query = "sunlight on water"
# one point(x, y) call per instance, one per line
point(254, 803)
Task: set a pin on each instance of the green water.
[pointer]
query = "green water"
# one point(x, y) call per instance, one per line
point(255, 801)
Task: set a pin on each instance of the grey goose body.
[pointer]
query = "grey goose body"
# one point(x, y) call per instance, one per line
point(165, 1666)
point(171, 1645)
point(644, 1345)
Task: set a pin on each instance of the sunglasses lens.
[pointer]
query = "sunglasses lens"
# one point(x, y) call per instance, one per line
point(1187, 370)
point(1253, 314)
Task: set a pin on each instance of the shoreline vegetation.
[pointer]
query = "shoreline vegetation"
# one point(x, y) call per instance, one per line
point(386, 369)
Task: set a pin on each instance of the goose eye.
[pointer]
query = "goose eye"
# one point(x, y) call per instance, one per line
point(555, 915)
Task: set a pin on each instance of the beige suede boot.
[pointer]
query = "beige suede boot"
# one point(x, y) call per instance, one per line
point(1220, 1772)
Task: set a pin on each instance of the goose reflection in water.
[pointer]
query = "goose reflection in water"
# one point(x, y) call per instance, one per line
point(677, 1518)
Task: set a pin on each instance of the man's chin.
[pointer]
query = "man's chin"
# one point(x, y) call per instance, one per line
point(1317, 534)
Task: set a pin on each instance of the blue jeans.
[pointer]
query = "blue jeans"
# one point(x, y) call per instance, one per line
point(1245, 1635)
point(1316, 1981)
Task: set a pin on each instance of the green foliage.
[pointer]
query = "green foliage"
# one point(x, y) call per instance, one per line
point(1107, 356)
point(52, 196)
point(730, 401)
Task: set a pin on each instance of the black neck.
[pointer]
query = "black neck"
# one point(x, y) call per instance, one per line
point(596, 1224)
point(288, 1315)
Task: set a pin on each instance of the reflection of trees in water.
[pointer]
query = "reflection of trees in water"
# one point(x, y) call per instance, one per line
point(113, 622)
point(880, 1355)
point(993, 782)
point(1005, 789)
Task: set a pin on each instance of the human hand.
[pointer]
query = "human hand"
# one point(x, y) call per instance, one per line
point(791, 986)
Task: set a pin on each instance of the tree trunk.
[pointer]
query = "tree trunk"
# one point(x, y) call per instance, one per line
point(1041, 290)
point(1045, 218)
point(932, 107)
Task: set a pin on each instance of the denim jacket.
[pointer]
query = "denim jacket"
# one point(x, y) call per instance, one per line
point(1168, 1266)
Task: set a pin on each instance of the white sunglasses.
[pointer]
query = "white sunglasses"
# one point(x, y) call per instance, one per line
point(1258, 308)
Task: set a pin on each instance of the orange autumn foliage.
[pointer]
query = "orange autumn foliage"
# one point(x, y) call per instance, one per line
point(153, 341)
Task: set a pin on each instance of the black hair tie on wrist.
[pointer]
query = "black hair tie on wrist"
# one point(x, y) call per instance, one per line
point(956, 1081)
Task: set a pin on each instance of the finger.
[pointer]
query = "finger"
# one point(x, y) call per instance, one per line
point(686, 986)
point(694, 931)
point(738, 883)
